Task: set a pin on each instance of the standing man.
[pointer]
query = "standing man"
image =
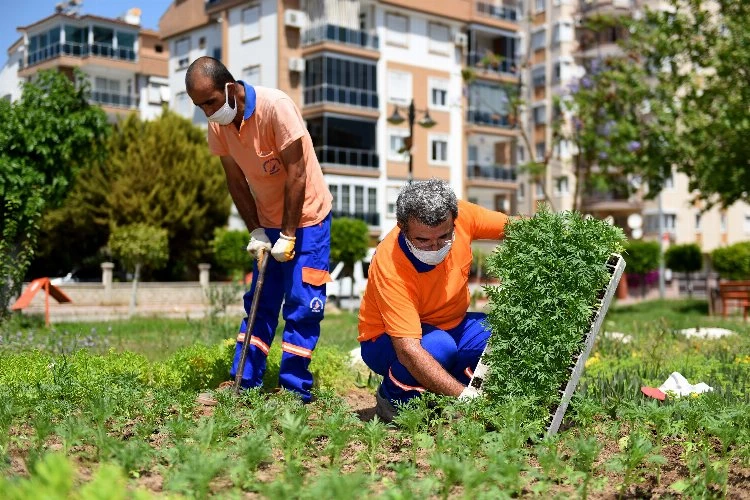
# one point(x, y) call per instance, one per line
point(414, 328)
point(277, 186)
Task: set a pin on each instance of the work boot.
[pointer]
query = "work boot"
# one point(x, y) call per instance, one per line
point(384, 409)
point(209, 398)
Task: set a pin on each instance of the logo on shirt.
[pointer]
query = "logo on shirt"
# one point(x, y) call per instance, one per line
point(316, 305)
point(272, 166)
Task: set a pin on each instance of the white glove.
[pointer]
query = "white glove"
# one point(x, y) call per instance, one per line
point(283, 249)
point(469, 392)
point(258, 241)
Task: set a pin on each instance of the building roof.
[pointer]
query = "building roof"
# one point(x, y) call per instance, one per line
point(79, 18)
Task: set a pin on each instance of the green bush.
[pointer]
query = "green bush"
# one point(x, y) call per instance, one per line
point(684, 258)
point(641, 256)
point(230, 252)
point(194, 368)
point(733, 262)
point(551, 268)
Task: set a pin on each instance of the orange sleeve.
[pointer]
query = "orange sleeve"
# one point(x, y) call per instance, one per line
point(485, 224)
point(288, 125)
point(216, 143)
point(396, 301)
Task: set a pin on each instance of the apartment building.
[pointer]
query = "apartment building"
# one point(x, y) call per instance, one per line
point(125, 64)
point(356, 68)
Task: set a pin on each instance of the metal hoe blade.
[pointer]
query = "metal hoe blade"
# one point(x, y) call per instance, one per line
point(262, 263)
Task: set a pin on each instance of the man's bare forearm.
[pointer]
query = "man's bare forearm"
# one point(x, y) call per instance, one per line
point(425, 368)
point(294, 187)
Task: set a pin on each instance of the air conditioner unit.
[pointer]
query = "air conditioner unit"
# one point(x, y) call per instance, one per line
point(294, 18)
point(296, 64)
point(460, 39)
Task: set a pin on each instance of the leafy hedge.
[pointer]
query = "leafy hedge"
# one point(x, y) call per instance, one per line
point(551, 268)
point(732, 262)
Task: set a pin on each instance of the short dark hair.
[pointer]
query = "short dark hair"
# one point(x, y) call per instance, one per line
point(210, 67)
point(430, 202)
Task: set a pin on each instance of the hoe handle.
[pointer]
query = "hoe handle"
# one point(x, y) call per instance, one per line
point(262, 262)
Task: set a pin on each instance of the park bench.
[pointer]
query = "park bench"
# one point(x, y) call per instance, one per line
point(735, 292)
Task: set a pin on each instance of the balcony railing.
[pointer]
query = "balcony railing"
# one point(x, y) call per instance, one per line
point(113, 99)
point(506, 65)
point(347, 157)
point(339, 34)
point(491, 172)
point(498, 11)
point(371, 218)
point(589, 5)
point(349, 96)
point(481, 117)
point(81, 50)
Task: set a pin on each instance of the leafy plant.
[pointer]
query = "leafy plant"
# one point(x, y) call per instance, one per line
point(640, 258)
point(373, 433)
point(635, 450)
point(685, 258)
point(230, 252)
point(552, 267)
point(732, 262)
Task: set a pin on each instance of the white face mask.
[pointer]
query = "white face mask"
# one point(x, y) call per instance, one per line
point(225, 114)
point(430, 257)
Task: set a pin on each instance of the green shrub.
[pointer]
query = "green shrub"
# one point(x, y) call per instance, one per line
point(551, 268)
point(195, 367)
point(230, 252)
point(733, 262)
point(641, 256)
point(684, 258)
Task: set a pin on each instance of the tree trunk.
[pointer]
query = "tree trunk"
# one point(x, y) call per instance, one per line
point(134, 291)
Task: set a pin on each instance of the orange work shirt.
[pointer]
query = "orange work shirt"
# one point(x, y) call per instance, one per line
point(274, 124)
point(398, 298)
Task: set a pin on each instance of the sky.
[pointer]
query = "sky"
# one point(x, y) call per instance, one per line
point(17, 13)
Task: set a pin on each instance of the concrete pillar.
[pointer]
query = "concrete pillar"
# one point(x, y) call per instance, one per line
point(203, 278)
point(107, 268)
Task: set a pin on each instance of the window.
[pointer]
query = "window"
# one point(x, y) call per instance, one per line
point(391, 194)
point(538, 76)
point(438, 150)
point(698, 220)
point(182, 104)
point(372, 200)
point(747, 223)
point(345, 202)
point(438, 93)
point(250, 23)
point(251, 75)
point(539, 190)
point(556, 72)
point(669, 223)
point(669, 181)
point(501, 203)
point(154, 93)
point(540, 114)
point(723, 222)
point(562, 32)
point(359, 199)
point(399, 87)
point(335, 193)
point(396, 145)
point(182, 52)
point(538, 39)
point(397, 29)
point(541, 149)
point(439, 36)
point(340, 80)
point(561, 186)
point(540, 6)
point(473, 154)
point(521, 193)
point(344, 141)
point(521, 152)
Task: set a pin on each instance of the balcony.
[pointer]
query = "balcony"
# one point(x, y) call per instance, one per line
point(481, 117)
point(81, 50)
point(347, 157)
point(615, 201)
point(502, 12)
point(481, 62)
point(338, 94)
point(608, 5)
point(492, 173)
point(371, 218)
point(339, 34)
point(113, 99)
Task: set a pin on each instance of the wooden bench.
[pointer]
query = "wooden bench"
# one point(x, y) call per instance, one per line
point(737, 292)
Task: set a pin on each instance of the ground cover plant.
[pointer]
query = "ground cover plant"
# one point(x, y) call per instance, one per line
point(551, 269)
point(120, 422)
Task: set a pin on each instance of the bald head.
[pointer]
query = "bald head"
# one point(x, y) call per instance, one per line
point(207, 69)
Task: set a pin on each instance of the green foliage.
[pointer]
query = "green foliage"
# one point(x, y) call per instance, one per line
point(139, 245)
point(551, 267)
point(158, 172)
point(349, 240)
point(641, 256)
point(230, 252)
point(732, 262)
point(45, 138)
point(685, 258)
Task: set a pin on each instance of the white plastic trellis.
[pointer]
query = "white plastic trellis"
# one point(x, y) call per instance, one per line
point(615, 267)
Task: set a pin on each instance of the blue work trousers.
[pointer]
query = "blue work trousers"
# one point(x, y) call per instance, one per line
point(457, 350)
point(300, 285)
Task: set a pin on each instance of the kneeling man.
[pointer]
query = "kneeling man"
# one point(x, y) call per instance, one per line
point(414, 327)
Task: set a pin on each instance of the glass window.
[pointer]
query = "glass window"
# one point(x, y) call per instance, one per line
point(399, 87)
point(473, 154)
point(561, 186)
point(372, 200)
point(391, 194)
point(538, 76)
point(359, 199)
point(521, 191)
point(335, 193)
point(540, 114)
point(251, 75)
point(126, 40)
point(396, 145)
point(538, 39)
point(747, 223)
point(541, 149)
point(250, 23)
point(438, 89)
point(540, 5)
point(183, 105)
point(397, 29)
point(698, 221)
point(345, 199)
point(104, 36)
point(439, 38)
point(439, 150)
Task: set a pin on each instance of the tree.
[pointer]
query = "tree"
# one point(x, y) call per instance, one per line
point(732, 262)
point(641, 257)
point(159, 173)
point(137, 246)
point(684, 259)
point(45, 138)
point(349, 243)
point(230, 251)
